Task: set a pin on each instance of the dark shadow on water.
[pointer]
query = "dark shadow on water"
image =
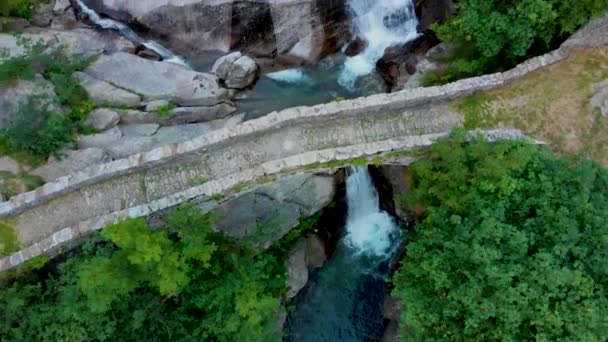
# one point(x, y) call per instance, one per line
point(342, 302)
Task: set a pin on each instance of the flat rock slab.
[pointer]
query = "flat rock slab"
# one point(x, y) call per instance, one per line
point(72, 161)
point(8, 164)
point(104, 94)
point(139, 130)
point(158, 80)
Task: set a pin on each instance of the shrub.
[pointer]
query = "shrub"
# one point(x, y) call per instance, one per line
point(183, 283)
point(18, 8)
point(513, 246)
point(38, 128)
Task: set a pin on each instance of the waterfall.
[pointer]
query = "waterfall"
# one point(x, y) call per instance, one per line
point(368, 229)
point(343, 301)
point(110, 24)
point(381, 23)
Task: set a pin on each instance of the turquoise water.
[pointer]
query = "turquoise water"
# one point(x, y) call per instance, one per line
point(343, 300)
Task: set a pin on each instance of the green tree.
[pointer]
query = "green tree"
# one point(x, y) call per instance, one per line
point(132, 283)
point(513, 246)
point(490, 35)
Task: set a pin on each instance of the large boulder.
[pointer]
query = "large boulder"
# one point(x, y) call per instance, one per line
point(178, 116)
point(236, 70)
point(267, 213)
point(104, 94)
point(102, 119)
point(299, 30)
point(297, 270)
point(158, 80)
point(399, 178)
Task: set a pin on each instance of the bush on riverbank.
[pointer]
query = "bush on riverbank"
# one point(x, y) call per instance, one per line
point(490, 36)
point(513, 246)
point(40, 127)
point(18, 8)
point(135, 284)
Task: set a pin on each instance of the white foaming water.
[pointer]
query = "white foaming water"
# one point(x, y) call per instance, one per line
point(291, 76)
point(381, 23)
point(110, 24)
point(368, 229)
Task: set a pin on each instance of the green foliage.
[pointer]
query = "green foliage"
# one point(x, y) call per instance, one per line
point(39, 128)
point(164, 110)
point(490, 35)
point(18, 8)
point(183, 283)
point(9, 241)
point(513, 246)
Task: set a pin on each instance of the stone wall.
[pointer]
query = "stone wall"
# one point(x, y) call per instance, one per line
point(281, 142)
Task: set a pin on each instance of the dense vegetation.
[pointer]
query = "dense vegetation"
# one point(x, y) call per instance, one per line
point(492, 35)
point(44, 125)
point(183, 283)
point(513, 246)
point(18, 8)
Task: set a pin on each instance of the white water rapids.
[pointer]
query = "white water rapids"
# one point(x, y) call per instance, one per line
point(110, 24)
point(368, 229)
point(343, 300)
point(382, 24)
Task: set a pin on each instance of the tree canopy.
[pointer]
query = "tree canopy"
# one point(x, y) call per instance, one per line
point(513, 246)
point(496, 34)
point(182, 283)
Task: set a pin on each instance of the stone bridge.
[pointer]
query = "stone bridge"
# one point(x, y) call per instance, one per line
point(230, 160)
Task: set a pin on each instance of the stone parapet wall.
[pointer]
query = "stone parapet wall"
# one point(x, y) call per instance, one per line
point(288, 140)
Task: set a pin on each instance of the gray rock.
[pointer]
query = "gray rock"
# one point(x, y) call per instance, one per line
point(154, 105)
point(295, 30)
point(158, 80)
point(61, 6)
point(42, 14)
point(391, 332)
point(13, 25)
point(132, 116)
point(184, 115)
point(102, 119)
point(104, 94)
point(237, 71)
point(130, 143)
point(85, 41)
point(72, 161)
point(178, 116)
point(399, 177)
point(297, 272)
point(102, 140)
point(600, 98)
point(139, 130)
point(315, 252)
point(267, 213)
point(391, 309)
point(8, 164)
